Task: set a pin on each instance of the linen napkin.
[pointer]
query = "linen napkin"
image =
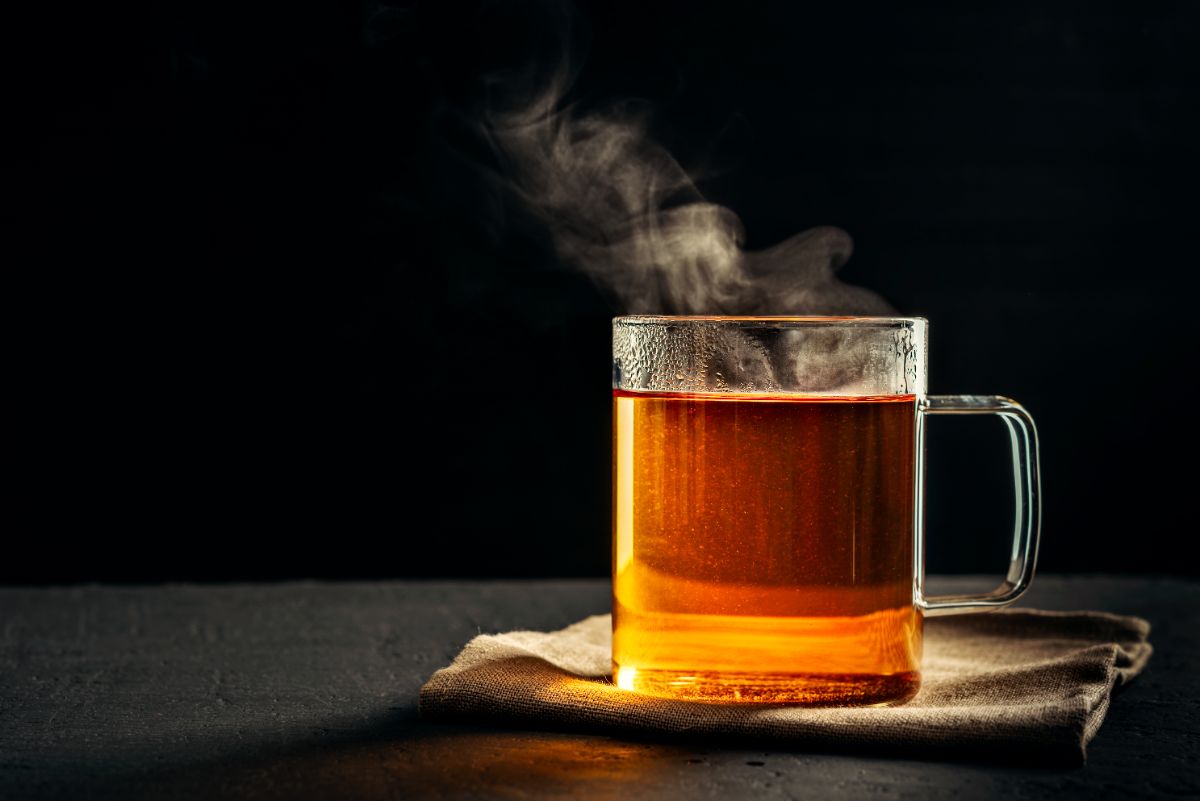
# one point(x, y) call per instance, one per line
point(1021, 685)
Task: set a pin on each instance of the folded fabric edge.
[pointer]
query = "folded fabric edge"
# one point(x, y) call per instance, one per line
point(468, 703)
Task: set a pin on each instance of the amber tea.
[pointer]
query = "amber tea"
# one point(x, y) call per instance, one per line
point(764, 546)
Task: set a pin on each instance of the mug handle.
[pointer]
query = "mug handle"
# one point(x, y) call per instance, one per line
point(1028, 527)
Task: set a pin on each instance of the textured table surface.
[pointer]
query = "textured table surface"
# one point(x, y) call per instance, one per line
point(308, 690)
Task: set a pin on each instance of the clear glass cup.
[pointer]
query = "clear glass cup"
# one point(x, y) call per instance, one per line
point(768, 507)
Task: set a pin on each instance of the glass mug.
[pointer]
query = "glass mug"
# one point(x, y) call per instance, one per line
point(768, 507)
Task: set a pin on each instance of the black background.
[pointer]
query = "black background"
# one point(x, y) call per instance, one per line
point(274, 318)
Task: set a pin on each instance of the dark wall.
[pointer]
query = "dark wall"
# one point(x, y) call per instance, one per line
point(276, 319)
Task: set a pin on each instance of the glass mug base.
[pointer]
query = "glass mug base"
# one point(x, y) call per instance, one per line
point(808, 660)
point(797, 689)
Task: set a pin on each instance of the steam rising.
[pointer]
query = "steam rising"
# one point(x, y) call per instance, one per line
point(621, 209)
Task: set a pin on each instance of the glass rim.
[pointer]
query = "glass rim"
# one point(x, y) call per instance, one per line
point(778, 320)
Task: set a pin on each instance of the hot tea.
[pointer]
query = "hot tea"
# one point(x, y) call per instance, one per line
point(763, 547)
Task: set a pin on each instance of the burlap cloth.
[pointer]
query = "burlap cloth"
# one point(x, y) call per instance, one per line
point(1014, 685)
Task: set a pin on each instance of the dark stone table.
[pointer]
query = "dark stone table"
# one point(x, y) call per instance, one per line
point(308, 690)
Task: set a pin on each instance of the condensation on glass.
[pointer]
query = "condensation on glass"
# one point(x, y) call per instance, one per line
point(768, 507)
